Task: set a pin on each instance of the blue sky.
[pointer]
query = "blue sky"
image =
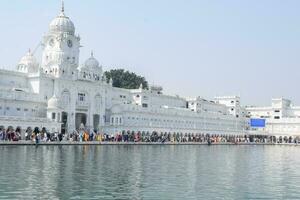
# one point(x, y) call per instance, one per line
point(190, 47)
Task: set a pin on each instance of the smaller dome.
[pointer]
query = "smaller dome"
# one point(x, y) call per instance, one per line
point(91, 65)
point(54, 103)
point(28, 64)
point(92, 62)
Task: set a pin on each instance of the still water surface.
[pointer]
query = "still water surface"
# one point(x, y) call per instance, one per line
point(150, 172)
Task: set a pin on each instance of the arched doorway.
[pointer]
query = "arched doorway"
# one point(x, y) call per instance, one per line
point(64, 119)
point(80, 118)
point(96, 122)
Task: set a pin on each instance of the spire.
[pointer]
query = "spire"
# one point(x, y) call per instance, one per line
point(62, 6)
point(92, 54)
point(29, 52)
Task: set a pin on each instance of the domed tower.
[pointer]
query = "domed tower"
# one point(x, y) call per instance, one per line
point(54, 109)
point(61, 47)
point(90, 70)
point(28, 64)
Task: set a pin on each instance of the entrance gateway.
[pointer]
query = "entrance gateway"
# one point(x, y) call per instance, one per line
point(96, 120)
point(80, 118)
point(64, 119)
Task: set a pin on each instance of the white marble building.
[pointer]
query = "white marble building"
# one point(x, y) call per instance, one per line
point(282, 117)
point(59, 93)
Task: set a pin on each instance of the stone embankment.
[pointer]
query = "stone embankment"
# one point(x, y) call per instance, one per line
point(6, 143)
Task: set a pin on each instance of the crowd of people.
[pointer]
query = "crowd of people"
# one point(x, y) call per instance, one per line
point(82, 135)
point(10, 134)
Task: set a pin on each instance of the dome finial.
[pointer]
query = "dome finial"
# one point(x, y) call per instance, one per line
point(62, 6)
point(92, 54)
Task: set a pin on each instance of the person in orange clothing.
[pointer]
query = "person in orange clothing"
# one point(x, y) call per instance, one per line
point(86, 136)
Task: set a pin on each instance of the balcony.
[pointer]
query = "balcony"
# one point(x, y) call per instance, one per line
point(84, 104)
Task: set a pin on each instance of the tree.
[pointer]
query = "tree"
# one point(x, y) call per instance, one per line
point(125, 79)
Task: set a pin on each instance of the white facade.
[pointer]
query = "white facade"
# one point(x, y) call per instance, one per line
point(59, 93)
point(282, 118)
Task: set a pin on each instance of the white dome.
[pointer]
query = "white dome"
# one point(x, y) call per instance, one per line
point(28, 64)
point(62, 24)
point(91, 70)
point(54, 103)
point(92, 63)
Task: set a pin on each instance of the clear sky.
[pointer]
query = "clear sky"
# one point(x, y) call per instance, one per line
point(191, 47)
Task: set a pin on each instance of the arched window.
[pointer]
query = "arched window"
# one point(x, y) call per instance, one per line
point(98, 102)
point(112, 120)
point(81, 97)
point(65, 97)
point(53, 116)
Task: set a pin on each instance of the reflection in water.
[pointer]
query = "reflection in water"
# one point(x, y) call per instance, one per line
point(149, 172)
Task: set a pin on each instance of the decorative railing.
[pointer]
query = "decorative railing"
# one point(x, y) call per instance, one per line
point(16, 95)
point(24, 119)
point(82, 103)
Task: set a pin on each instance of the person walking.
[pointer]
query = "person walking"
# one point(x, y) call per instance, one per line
point(36, 134)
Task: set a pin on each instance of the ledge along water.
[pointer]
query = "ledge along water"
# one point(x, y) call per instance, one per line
point(3, 143)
